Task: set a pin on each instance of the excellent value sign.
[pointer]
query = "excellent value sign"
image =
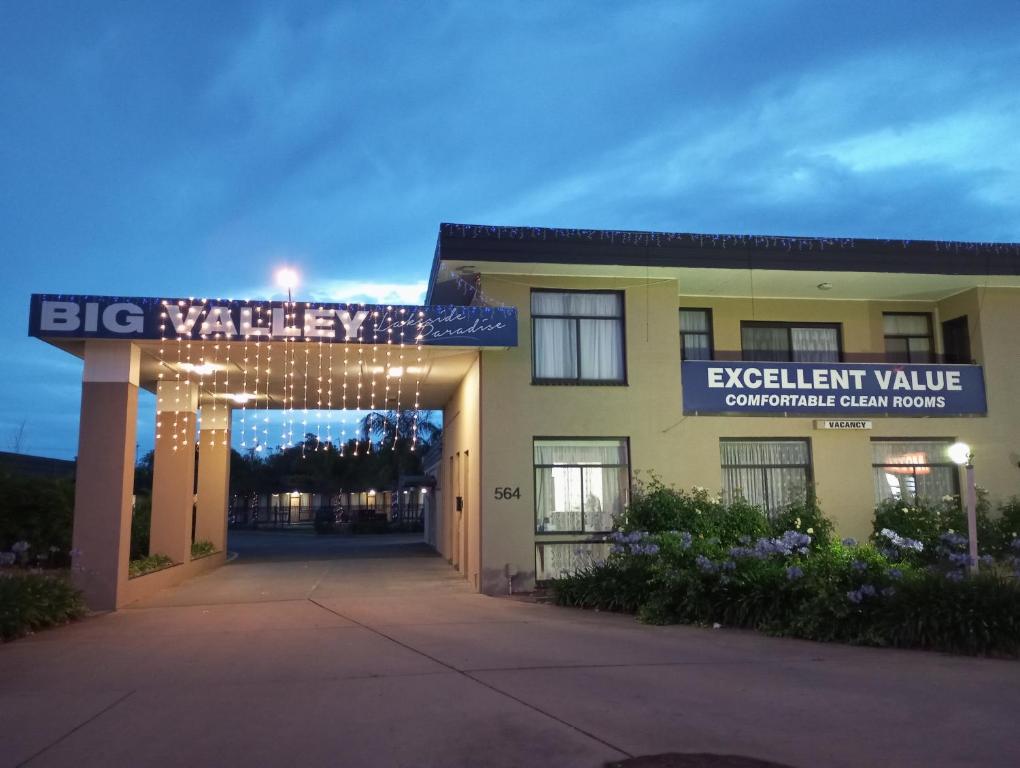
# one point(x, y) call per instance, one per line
point(833, 388)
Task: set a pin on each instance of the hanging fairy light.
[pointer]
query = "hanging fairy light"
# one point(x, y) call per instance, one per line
point(399, 375)
point(329, 396)
point(162, 357)
point(268, 371)
point(343, 395)
point(417, 379)
point(304, 390)
point(244, 390)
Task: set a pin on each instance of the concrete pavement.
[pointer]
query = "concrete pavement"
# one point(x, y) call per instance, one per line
point(310, 651)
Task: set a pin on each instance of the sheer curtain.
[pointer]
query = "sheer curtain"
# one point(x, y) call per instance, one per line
point(578, 475)
point(769, 473)
point(908, 468)
point(694, 330)
point(815, 345)
point(556, 341)
point(765, 344)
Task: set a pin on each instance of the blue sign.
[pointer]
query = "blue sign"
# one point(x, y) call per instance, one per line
point(128, 318)
point(888, 389)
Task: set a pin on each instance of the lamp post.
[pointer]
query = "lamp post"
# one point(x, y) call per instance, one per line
point(961, 454)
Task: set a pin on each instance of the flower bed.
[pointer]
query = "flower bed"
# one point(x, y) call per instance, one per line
point(202, 549)
point(706, 562)
point(149, 564)
point(33, 600)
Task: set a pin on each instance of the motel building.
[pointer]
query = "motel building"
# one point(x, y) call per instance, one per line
point(568, 365)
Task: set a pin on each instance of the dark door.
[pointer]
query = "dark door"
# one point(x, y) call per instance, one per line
point(956, 340)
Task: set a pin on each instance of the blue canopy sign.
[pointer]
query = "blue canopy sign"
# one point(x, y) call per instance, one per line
point(832, 388)
point(128, 318)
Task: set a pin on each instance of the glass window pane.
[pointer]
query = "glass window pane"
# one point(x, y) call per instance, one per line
point(897, 351)
point(558, 499)
point(815, 344)
point(906, 325)
point(760, 453)
point(555, 349)
point(555, 560)
point(765, 343)
point(695, 346)
point(910, 452)
point(920, 350)
point(605, 495)
point(744, 482)
point(546, 303)
point(694, 320)
point(581, 452)
point(785, 486)
point(601, 349)
point(595, 304)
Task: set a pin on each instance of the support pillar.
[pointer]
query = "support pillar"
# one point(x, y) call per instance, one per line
point(173, 470)
point(213, 475)
point(104, 484)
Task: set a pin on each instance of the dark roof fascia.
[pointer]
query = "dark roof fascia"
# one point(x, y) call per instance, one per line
point(540, 245)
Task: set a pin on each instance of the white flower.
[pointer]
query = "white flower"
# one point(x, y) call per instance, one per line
point(948, 497)
point(796, 523)
point(717, 625)
point(904, 510)
point(811, 530)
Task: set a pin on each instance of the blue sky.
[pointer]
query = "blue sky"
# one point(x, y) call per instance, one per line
point(188, 148)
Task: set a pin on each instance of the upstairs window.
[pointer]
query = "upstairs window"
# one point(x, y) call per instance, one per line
point(791, 342)
point(577, 338)
point(696, 334)
point(908, 337)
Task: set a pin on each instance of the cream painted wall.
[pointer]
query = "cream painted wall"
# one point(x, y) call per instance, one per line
point(685, 449)
point(458, 534)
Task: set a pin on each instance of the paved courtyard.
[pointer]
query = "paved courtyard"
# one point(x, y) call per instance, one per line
point(308, 651)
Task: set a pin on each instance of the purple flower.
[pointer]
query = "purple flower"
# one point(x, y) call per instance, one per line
point(849, 542)
point(888, 591)
point(859, 565)
point(955, 575)
point(704, 564)
point(794, 572)
point(895, 573)
point(20, 546)
point(854, 597)
point(867, 590)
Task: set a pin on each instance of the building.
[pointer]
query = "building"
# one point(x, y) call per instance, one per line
point(620, 331)
point(567, 363)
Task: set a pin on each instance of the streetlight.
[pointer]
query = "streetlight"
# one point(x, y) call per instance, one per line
point(961, 454)
point(286, 277)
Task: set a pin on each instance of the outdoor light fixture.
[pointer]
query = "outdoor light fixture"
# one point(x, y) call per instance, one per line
point(287, 278)
point(961, 454)
point(395, 372)
point(242, 397)
point(199, 369)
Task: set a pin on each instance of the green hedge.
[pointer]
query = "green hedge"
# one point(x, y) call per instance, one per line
point(32, 601)
point(707, 562)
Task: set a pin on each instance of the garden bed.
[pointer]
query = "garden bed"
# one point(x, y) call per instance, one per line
point(34, 600)
point(686, 557)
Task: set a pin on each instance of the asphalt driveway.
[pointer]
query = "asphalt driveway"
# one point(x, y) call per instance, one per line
point(308, 651)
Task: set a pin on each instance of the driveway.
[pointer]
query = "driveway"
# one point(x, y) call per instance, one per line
point(309, 651)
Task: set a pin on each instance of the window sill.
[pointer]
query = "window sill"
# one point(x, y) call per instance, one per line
point(578, 383)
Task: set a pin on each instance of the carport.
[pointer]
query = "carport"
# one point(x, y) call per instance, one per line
point(217, 367)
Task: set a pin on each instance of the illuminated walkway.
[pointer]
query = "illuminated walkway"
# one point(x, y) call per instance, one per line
point(386, 658)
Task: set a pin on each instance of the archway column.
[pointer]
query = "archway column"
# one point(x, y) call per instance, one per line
point(104, 483)
point(213, 475)
point(173, 470)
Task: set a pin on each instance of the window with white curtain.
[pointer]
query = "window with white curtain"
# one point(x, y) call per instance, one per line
point(791, 342)
point(554, 560)
point(577, 337)
point(695, 334)
point(908, 337)
point(581, 486)
point(913, 469)
point(771, 474)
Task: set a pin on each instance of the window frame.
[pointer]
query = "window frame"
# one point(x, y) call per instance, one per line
point(908, 336)
point(809, 472)
point(582, 438)
point(948, 463)
point(570, 543)
point(789, 326)
point(710, 332)
point(578, 381)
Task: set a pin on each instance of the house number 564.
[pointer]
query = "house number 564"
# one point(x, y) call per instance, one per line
point(507, 493)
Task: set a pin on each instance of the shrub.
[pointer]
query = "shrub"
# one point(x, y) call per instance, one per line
point(39, 511)
point(141, 523)
point(202, 548)
point(927, 521)
point(894, 592)
point(144, 565)
point(30, 601)
point(1007, 526)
